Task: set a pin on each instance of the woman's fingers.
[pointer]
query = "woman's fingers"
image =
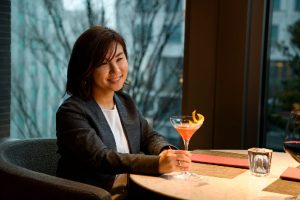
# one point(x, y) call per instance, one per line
point(174, 160)
point(182, 152)
point(183, 156)
point(183, 159)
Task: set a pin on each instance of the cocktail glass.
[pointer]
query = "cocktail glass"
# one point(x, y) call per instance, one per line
point(186, 127)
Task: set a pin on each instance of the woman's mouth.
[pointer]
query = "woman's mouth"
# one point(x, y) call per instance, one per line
point(115, 78)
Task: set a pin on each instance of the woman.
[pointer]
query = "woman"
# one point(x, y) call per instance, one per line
point(100, 132)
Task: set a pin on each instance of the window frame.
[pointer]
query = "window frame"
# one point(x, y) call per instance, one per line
point(5, 82)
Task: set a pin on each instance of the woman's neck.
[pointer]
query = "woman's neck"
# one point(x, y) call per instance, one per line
point(105, 101)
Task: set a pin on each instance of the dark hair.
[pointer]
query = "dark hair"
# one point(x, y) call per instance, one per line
point(88, 53)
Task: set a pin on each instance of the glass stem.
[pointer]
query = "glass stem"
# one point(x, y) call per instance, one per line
point(186, 147)
point(186, 144)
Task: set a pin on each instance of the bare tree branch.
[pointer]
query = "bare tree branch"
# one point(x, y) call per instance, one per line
point(59, 28)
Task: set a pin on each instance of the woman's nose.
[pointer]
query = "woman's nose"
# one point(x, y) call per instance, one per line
point(114, 67)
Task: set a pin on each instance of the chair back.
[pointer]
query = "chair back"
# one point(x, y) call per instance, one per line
point(27, 171)
point(36, 154)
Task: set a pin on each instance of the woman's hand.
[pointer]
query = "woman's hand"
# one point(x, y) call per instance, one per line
point(174, 160)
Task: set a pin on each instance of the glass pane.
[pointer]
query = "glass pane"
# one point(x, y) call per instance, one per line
point(283, 92)
point(276, 5)
point(43, 33)
point(297, 5)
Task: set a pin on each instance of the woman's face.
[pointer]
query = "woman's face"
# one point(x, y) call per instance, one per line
point(111, 75)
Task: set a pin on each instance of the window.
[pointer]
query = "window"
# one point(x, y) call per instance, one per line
point(283, 88)
point(297, 5)
point(145, 6)
point(174, 6)
point(176, 35)
point(274, 35)
point(143, 32)
point(276, 5)
point(43, 33)
point(175, 101)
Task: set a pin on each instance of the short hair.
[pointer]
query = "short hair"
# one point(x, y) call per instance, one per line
point(88, 53)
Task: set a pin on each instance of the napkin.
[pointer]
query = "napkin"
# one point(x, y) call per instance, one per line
point(221, 160)
point(291, 173)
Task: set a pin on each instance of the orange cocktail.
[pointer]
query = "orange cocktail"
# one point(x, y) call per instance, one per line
point(186, 126)
point(186, 131)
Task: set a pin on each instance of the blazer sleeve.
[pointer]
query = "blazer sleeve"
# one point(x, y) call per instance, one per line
point(152, 142)
point(78, 141)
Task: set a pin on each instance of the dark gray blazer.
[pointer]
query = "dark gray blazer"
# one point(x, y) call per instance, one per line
point(87, 146)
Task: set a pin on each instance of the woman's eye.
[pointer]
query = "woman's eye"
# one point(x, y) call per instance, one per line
point(104, 63)
point(119, 59)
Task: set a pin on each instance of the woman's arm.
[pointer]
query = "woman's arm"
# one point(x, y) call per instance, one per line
point(152, 142)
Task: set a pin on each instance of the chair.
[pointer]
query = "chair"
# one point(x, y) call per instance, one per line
point(27, 171)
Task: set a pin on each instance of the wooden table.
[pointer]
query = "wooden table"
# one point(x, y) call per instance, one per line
point(243, 186)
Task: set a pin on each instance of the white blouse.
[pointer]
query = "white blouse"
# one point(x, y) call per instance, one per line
point(113, 119)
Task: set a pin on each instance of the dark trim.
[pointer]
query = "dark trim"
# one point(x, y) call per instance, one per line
point(254, 74)
point(246, 71)
point(5, 74)
point(265, 71)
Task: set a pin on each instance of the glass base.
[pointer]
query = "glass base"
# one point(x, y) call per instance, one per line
point(174, 176)
point(183, 176)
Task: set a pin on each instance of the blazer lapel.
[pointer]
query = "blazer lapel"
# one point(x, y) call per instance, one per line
point(130, 125)
point(99, 119)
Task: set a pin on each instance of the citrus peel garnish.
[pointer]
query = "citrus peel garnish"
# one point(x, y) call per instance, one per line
point(197, 118)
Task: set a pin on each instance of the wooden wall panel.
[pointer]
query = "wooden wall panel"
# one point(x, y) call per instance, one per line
point(222, 74)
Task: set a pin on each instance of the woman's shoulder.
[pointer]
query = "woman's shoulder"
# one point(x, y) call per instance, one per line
point(71, 102)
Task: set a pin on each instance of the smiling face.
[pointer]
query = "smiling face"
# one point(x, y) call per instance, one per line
point(110, 76)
